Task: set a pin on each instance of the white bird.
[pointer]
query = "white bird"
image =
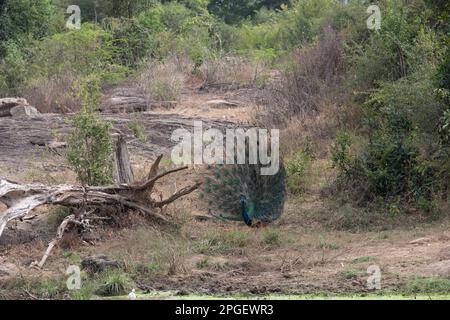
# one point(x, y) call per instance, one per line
point(132, 295)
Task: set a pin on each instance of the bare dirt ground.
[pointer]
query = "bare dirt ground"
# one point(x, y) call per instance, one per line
point(298, 254)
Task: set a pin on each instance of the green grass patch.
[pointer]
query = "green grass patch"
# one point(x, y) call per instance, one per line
point(113, 283)
point(363, 260)
point(428, 286)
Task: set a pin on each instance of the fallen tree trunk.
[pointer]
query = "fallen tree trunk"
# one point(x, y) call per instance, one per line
point(21, 200)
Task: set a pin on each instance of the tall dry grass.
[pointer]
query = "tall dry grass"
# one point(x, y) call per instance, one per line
point(310, 76)
point(232, 72)
point(162, 80)
point(56, 94)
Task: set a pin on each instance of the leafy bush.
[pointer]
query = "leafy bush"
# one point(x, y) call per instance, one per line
point(13, 69)
point(296, 168)
point(386, 167)
point(340, 155)
point(304, 21)
point(24, 18)
point(444, 72)
point(90, 145)
point(131, 41)
point(89, 50)
point(56, 66)
point(236, 11)
point(403, 115)
point(180, 28)
point(387, 54)
point(403, 155)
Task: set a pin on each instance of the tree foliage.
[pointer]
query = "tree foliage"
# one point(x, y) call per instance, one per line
point(90, 145)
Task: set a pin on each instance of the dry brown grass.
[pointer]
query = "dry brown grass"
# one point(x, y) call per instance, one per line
point(310, 75)
point(54, 95)
point(232, 71)
point(148, 246)
point(161, 81)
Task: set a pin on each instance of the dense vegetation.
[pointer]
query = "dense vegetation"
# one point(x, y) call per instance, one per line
point(389, 88)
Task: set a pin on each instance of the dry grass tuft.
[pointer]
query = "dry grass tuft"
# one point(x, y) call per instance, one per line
point(161, 81)
point(55, 94)
point(233, 72)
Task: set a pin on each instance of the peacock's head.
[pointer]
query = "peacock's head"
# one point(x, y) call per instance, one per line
point(243, 201)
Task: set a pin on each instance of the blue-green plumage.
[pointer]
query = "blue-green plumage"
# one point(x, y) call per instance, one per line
point(241, 193)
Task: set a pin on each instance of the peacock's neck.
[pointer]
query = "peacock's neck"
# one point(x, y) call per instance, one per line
point(245, 213)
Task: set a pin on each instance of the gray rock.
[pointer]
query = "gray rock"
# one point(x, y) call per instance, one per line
point(7, 103)
point(99, 263)
point(221, 104)
point(24, 111)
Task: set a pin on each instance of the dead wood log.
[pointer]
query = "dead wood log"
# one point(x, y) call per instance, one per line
point(177, 195)
point(123, 173)
point(59, 235)
point(21, 200)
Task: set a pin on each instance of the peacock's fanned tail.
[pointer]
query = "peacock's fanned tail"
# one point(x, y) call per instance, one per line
point(225, 188)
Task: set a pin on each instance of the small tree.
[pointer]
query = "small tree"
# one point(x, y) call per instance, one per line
point(90, 144)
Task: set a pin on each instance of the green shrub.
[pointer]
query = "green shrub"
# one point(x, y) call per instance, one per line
point(348, 275)
point(443, 75)
point(296, 170)
point(90, 144)
point(340, 155)
point(391, 53)
point(131, 41)
point(405, 152)
point(13, 69)
point(327, 245)
point(89, 50)
point(236, 11)
point(24, 18)
point(138, 130)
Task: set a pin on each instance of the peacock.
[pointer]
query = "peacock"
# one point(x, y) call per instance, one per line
point(240, 193)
